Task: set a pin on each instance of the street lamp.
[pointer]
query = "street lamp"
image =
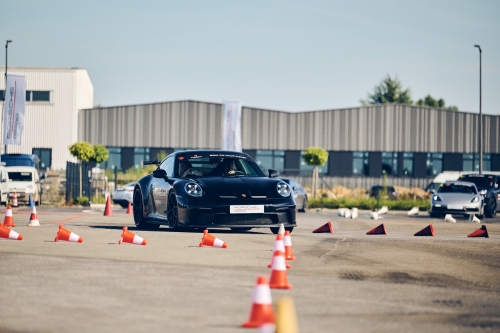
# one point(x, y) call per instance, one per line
point(480, 116)
point(5, 89)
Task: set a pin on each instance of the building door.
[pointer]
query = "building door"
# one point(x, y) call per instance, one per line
point(44, 156)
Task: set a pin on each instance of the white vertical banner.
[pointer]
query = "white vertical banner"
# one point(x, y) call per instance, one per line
point(231, 137)
point(13, 111)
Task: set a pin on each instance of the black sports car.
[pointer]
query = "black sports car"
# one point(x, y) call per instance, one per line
point(212, 189)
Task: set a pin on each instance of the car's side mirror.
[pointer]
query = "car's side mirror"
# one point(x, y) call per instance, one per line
point(432, 191)
point(160, 173)
point(294, 188)
point(273, 173)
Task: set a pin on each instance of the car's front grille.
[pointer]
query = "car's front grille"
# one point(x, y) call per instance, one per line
point(246, 219)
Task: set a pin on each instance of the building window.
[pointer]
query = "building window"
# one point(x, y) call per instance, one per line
point(140, 155)
point(307, 169)
point(44, 156)
point(390, 164)
point(114, 159)
point(360, 164)
point(471, 162)
point(40, 96)
point(32, 96)
point(434, 164)
point(408, 164)
point(271, 159)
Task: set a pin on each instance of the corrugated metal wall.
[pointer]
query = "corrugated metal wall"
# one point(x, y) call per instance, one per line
point(191, 124)
point(53, 124)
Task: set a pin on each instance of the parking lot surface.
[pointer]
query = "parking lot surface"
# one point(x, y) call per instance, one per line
point(342, 282)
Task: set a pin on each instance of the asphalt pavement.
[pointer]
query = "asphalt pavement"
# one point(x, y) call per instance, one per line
point(342, 282)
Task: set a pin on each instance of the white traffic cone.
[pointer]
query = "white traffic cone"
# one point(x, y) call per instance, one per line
point(383, 210)
point(354, 213)
point(347, 214)
point(282, 229)
point(474, 219)
point(341, 211)
point(374, 215)
point(449, 218)
point(413, 211)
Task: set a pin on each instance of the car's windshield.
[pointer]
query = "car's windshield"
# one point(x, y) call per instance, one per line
point(214, 166)
point(456, 188)
point(20, 176)
point(482, 182)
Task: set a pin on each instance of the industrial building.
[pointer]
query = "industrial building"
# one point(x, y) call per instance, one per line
point(408, 144)
point(54, 97)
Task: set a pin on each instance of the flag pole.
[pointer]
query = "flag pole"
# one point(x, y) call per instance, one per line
point(4, 94)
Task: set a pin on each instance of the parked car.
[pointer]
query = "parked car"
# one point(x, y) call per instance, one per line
point(489, 186)
point(24, 180)
point(299, 193)
point(4, 184)
point(212, 189)
point(377, 190)
point(123, 195)
point(458, 197)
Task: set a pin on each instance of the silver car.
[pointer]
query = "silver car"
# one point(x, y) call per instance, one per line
point(461, 198)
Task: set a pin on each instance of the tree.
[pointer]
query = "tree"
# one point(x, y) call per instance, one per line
point(433, 103)
point(315, 156)
point(389, 91)
point(83, 151)
point(101, 154)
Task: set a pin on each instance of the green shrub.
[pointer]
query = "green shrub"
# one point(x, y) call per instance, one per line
point(82, 201)
point(369, 204)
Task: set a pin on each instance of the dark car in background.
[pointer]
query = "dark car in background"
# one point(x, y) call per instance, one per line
point(385, 192)
point(299, 193)
point(488, 184)
point(202, 189)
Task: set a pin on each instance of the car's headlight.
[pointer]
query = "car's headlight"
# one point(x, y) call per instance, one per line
point(193, 189)
point(436, 198)
point(283, 189)
point(475, 199)
point(29, 189)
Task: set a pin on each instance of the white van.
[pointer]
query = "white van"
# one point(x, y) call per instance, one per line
point(24, 180)
point(4, 184)
point(443, 177)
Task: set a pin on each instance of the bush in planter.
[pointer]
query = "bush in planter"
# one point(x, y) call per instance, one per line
point(82, 201)
point(369, 204)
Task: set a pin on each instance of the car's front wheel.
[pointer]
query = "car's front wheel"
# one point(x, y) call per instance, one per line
point(173, 211)
point(491, 208)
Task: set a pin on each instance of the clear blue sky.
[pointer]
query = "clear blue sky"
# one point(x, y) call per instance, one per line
point(283, 55)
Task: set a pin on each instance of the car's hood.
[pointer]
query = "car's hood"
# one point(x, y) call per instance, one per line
point(456, 198)
point(237, 186)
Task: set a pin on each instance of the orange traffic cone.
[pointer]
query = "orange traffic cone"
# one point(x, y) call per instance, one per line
point(130, 237)
point(209, 240)
point(379, 230)
point(129, 209)
point(34, 219)
point(108, 210)
point(327, 227)
point(66, 235)
point(14, 201)
point(262, 305)
point(427, 231)
point(278, 278)
point(8, 221)
point(481, 232)
point(288, 246)
point(9, 234)
point(279, 246)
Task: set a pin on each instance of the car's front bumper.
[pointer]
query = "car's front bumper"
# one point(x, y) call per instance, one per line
point(467, 209)
point(219, 216)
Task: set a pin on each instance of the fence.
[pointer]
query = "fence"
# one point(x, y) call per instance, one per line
point(328, 182)
point(73, 181)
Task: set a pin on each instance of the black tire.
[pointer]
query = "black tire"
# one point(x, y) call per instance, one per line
point(173, 212)
point(276, 230)
point(138, 209)
point(490, 210)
